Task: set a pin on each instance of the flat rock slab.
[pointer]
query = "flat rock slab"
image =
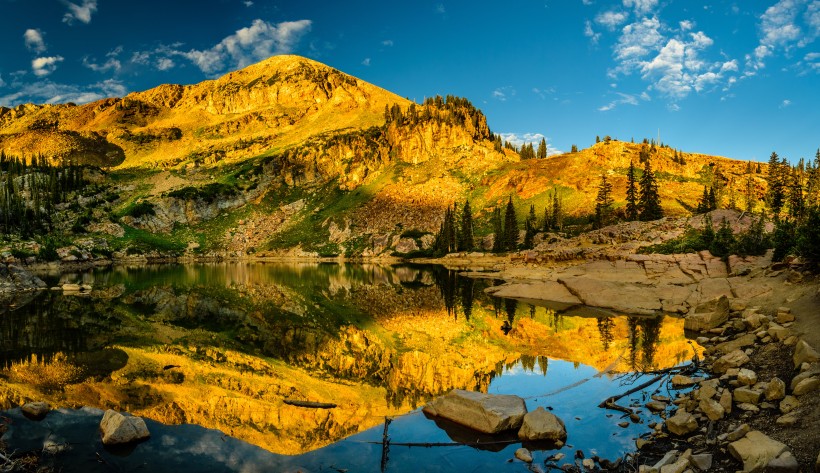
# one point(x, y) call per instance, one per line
point(619, 296)
point(756, 450)
point(485, 413)
point(547, 291)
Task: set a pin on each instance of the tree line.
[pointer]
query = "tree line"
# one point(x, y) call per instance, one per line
point(643, 201)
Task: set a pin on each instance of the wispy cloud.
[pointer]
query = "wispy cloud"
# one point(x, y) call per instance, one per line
point(34, 40)
point(624, 99)
point(503, 93)
point(165, 64)
point(780, 30)
point(785, 103)
point(46, 91)
point(258, 41)
point(43, 66)
point(590, 33)
point(366, 61)
point(80, 12)
point(440, 9)
point(111, 63)
point(387, 42)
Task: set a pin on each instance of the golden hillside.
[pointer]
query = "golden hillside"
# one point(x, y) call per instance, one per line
point(274, 104)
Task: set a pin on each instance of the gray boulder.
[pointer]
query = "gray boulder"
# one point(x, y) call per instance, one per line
point(542, 424)
point(485, 413)
point(785, 463)
point(119, 429)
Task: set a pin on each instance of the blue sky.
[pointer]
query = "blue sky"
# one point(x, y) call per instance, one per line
point(735, 78)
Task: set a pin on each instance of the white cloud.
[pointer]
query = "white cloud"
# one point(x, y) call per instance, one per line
point(610, 19)
point(366, 61)
point(258, 41)
point(248, 3)
point(45, 91)
point(164, 64)
point(43, 66)
point(589, 33)
point(503, 93)
point(636, 41)
point(111, 64)
point(79, 12)
point(641, 7)
point(686, 25)
point(673, 107)
point(34, 40)
point(677, 69)
point(387, 42)
point(785, 103)
point(440, 9)
point(624, 99)
point(543, 92)
point(519, 139)
point(2, 82)
point(777, 24)
point(586, 2)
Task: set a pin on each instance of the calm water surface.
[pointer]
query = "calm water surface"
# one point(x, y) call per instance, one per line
point(210, 352)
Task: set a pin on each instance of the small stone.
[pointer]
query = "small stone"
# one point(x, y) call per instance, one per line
point(775, 390)
point(783, 317)
point(803, 352)
point(785, 463)
point(748, 407)
point(738, 433)
point(746, 395)
point(788, 404)
point(802, 376)
point(706, 392)
point(623, 425)
point(681, 381)
point(668, 459)
point(641, 443)
point(702, 461)
point(806, 386)
point(589, 464)
point(726, 401)
point(712, 409)
point(558, 456)
point(35, 410)
point(119, 429)
point(656, 406)
point(747, 377)
point(524, 455)
point(681, 423)
point(787, 420)
point(677, 467)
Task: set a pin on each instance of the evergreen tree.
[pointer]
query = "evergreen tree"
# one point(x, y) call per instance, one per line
point(631, 194)
point(775, 195)
point(498, 229)
point(466, 238)
point(574, 149)
point(510, 227)
point(530, 228)
point(808, 238)
point(557, 221)
point(547, 218)
point(796, 202)
point(704, 204)
point(649, 200)
point(784, 238)
point(542, 149)
point(749, 193)
point(603, 203)
point(724, 240)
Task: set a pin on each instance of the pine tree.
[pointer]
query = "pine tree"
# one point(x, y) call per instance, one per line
point(775, 195)
point(808, 238)
point(574, 149)
point(542, 149)
point(498, 229)
point(649, 200)
point(557, 221)
point(466, 239)
point(510, 227)
point(703, 203)
point(547, 218)
point(603, 203)
point(631, 194)
point(749, 193)
point(796, 203)
point(530, 228)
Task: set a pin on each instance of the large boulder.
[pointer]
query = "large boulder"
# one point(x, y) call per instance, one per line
point(542, 424)
point(804, 352)
point(708, 316)
point(485, 413)
point(119, 429)
point(756, 450)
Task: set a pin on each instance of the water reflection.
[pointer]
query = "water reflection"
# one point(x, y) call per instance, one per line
point(242, 338)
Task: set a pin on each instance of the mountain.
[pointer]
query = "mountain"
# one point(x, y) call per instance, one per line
point(290, 155)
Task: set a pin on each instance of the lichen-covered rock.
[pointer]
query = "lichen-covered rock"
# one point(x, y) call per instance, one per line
point(485, 413)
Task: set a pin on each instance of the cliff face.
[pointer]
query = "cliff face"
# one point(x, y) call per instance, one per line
point(275, 103)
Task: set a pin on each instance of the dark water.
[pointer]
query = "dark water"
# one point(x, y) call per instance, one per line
point(228, 322)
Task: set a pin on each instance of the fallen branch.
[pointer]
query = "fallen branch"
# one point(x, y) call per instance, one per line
point(309, 404)
point(448, 444)
point(610, 401)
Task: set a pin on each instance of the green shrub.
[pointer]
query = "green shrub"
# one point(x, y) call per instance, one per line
point(141, 209)
point(48, 251)
point(808, 239)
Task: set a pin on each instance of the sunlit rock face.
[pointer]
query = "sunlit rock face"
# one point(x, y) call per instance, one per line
point(224, 346)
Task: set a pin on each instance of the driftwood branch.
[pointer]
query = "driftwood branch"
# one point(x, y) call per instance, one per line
point(448, 444)
point(309, 404)
point(610, 401)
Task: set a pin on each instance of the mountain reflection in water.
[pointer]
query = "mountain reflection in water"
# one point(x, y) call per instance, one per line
point(223, 345)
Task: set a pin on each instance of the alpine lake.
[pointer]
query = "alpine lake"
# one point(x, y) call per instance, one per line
point(208, 354)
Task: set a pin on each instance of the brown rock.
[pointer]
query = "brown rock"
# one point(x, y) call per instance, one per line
point(756, 450)
point(726, 401)
point(730, 360)
point(788, 404)
point(542, 424)
point(35, 410)
point(681, 381)
point(681, 423)
point(746, 377)
point(806, 386)
point(482, 412)
point(712, 409)
point(738, 433)
point(804, 353)
point(524, 455)
point(119, 429)
point(775, 390)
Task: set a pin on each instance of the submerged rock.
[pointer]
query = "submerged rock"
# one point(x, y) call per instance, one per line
point(524, 455)
point(542, 424)
point(35, 410)
point(119, 429)
point(485, 413)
